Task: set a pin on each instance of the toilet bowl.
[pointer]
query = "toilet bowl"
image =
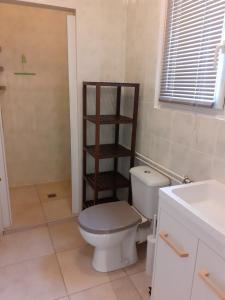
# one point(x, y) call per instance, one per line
point(111, 228)
point(114, 228)
point(112, 251)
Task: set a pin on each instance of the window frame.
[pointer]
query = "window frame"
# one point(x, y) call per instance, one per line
point(216, 108)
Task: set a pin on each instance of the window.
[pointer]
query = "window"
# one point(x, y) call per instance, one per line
point(193, 62)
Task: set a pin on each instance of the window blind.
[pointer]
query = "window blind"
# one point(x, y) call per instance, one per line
point(190, 72)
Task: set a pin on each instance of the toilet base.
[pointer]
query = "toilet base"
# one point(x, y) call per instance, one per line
point(117, 257)
point(113, 251)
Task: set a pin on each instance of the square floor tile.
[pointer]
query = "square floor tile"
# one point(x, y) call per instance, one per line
point(37, 279)
point(140, 265)
point(57, 209)
point(142, 282)
point(25, 194)
point(20, 246)
point(125, 290)
point(60, 189)
point(117, 290)
point(26, 207)
point(66, 235)
point(78, 272)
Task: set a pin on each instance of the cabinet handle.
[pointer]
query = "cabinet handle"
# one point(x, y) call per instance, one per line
point(165, 237)
point(204, 275)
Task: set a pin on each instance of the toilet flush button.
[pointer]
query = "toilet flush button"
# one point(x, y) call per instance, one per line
point(147, 172)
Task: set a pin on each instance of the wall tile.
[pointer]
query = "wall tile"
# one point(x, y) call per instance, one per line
point(206, 133)
point(159, 150)
point(179, 159)
point(160, 122)
point(183, 128)
point(220, 143)
point(218, 169)
point(200, 166)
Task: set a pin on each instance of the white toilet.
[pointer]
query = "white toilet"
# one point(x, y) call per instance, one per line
point(114, 228)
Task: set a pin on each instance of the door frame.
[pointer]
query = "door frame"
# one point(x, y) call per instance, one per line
point(74, 116)
point(75, 125)
point(5, 208)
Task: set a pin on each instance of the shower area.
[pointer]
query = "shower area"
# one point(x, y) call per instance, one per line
point(36, 113)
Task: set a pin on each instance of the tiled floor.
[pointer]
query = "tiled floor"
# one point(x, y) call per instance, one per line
point(53, 262)
point(47, 259)
point(31, 205)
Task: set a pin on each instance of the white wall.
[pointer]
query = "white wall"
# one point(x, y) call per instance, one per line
point(100, 41)
point(187, 143)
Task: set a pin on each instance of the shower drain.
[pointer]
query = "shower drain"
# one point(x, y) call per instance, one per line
point(51, 195)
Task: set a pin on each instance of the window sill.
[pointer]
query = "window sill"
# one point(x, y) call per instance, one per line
point(208, 111)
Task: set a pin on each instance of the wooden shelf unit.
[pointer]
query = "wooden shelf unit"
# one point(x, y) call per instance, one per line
point(111, 180)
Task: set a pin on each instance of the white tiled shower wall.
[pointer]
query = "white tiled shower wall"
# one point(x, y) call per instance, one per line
point(186, 142)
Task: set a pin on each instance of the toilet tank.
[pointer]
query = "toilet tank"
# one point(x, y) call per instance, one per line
point(146, 183)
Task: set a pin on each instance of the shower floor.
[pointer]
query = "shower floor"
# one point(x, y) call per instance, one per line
point(40, 204)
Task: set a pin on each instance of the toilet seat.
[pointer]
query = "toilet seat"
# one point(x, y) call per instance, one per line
point(108, 218)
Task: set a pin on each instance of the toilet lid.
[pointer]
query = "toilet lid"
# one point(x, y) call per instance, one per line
point(108, 218)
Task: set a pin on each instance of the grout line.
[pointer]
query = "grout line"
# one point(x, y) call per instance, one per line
point(96, 286)
point(36, 189)
point(27, 260)
point(22, 229)
point(135, 286)
point(108, 282)
point(60, 269)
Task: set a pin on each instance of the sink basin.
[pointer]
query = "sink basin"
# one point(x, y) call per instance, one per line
point(204, 200)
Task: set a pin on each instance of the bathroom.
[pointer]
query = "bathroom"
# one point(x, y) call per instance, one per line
point(108, 41)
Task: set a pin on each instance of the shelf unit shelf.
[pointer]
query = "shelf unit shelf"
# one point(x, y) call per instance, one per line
point(110, 180)
point(111, 84)
point(109, 119)
point(107, 181)
point(109, 151)
point(100, 201)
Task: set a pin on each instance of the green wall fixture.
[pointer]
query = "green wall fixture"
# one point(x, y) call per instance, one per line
point(23, 59)
point(23, 62)
point(25, 73)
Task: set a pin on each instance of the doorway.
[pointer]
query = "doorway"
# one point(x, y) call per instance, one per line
point(36, 113)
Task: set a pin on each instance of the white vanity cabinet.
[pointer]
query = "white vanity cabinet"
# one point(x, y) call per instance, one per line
point(175, 260)
point(209, 277)
point(190, 251)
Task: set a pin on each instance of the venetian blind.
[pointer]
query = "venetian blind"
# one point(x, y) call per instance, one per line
point(191, 73)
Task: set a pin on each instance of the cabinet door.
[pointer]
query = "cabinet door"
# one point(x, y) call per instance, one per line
point(176, 251)
point(209, 280)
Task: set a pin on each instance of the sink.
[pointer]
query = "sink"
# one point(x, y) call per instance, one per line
point(204, 200)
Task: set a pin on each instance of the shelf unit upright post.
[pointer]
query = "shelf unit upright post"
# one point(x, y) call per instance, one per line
point(97, 141)
point(111, 180)
point(133, 137)
point(84, 139)
point(117, 130)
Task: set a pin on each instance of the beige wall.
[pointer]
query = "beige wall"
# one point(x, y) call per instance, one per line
point(100, 31)
point(35, 108)
point(109, 34)
point(188, 143)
